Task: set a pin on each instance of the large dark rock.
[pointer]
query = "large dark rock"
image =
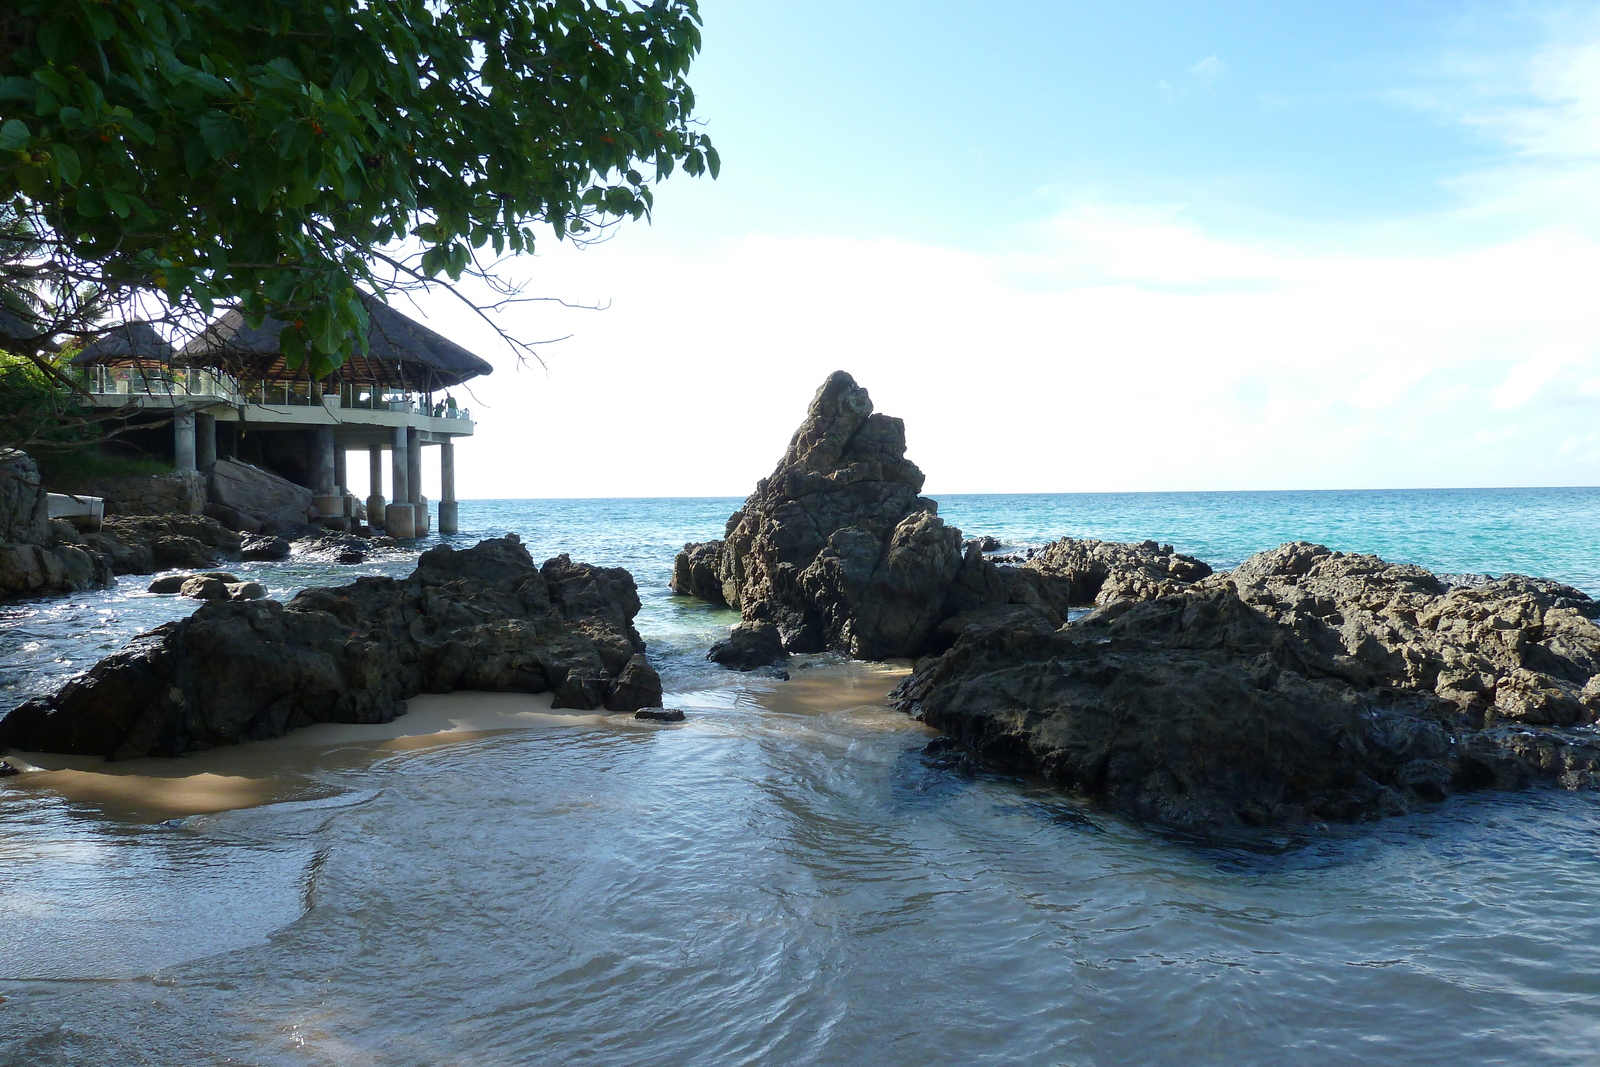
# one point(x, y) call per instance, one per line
point(483, 618)
point(837, 549)
point(24, 508)
point(1307, 685)
point(38, 557)
point(144, 544)
point(1518, 649)
point(264, 547)
point(254, 500)
point(749, 646)
point(694, 572)
point(1074, 573)
point(638, 686)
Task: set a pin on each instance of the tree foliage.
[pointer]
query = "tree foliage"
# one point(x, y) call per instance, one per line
point(263, 152)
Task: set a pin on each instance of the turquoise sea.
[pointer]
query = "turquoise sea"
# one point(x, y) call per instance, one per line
point(783, 878)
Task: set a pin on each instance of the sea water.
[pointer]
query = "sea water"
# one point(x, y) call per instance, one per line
point(784, 878)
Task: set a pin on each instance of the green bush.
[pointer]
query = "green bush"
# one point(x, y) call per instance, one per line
point(63, 470)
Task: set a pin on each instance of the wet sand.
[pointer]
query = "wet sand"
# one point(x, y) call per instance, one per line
point(285, 768)
point(264, 772)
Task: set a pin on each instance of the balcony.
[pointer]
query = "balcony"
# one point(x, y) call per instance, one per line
point(204, 385)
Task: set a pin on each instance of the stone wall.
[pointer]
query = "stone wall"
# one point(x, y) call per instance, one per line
point(178, 493)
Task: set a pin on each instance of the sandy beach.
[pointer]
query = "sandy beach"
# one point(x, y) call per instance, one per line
point(283, 768)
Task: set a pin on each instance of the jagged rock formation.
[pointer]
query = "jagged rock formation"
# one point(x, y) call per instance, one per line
point(837, 549)
point(694, 572)
point(39, 557)
point(483, 618)
point(1517, 648)
point(1074, 573)
point(1307, 685)
point(144, 544)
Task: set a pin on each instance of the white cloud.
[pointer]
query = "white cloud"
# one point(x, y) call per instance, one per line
point(1110, 347)
point(1209, 71)
point(1341, 371)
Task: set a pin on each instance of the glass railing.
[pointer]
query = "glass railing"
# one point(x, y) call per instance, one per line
point(159, 381)
point(205, 382)
point(367, 397)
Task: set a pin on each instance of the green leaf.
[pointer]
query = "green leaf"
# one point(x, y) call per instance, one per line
point(139, 129)
point(14, 135)
point(90, 203)
point(196, 154)
point(16, 89)
point(67, 166)
point(101, 23)
point(220, 132)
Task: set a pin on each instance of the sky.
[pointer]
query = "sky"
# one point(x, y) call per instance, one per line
point(1090, 246)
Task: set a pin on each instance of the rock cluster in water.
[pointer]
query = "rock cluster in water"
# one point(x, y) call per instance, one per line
point(837, 549)
point(483, 618)
point(1306, 685)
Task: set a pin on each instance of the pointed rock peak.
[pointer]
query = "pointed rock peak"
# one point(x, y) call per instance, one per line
point(837, 412)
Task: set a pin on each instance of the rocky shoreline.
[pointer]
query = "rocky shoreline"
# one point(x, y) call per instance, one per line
point(1303, 687)
point(484, 618)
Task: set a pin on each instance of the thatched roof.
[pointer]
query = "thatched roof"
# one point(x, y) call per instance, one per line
point(401, 352)
point(129, 342)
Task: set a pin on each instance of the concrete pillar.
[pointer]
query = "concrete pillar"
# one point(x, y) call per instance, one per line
point(205, 442)
point(400, 518)
point(375, 475)
point(448, 518)
point(414, 481)
point(183, 443)
point(341, 478)
point(325, 492)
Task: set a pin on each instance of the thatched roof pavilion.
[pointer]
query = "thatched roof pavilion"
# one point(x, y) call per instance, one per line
point(128, 342)
point(402, 353)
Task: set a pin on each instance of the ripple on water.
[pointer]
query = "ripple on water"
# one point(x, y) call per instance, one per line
point(783, 878)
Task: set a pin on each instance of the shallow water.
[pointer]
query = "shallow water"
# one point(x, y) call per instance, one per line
point(784, 878)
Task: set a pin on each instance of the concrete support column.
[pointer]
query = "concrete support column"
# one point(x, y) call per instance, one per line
point(400, 518)
point(325, 493)
point(205, 442)
point(341, 478)
point(375, 476)
point(183, 443)
point(448, 519)
point(419, 522)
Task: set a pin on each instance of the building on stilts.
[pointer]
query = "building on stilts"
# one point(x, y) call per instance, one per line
point(228, 400)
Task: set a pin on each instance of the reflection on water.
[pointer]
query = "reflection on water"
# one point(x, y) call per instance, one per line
point(783, 878)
